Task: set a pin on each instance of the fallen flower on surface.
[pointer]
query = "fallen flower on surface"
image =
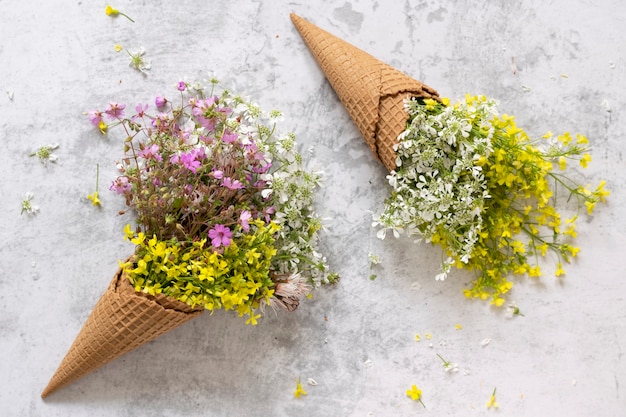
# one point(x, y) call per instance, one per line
point(95, 200)
point(415, 394)
point(448, 366)
point(44, 153)
point(492, 400)
point(110, 11)
point(27, 206)
point(299, 390)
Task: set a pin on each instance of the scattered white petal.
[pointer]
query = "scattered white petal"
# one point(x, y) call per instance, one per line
point(311, 381)
point(573, 382)
point(526, 89)
point(11, 94)
point(611, 64)
point(606, 106)
point(367, 363)
point(416, 286)
point(485, 342)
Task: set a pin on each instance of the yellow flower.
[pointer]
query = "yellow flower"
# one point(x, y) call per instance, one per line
point(492, 400)
point(458, 326)
point(299, 390)
point(415, 394)
point(110, 11)
point(562, 163)
point(118, 47)
point(534, 271)
point(252, 320)
point(94, 199)
point(103, 127)
point(584, 161)
point(559, 271)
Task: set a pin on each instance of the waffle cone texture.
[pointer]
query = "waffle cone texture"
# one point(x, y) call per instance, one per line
point(121, 321)
point(372, 91)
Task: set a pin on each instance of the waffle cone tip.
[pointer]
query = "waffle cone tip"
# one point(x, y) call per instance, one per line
point(121, 321)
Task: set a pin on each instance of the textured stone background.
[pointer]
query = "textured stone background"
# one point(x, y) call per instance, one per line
point(357, 340)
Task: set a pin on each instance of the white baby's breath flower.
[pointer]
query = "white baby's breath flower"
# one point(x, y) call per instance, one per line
point(27, 206)
point(44, 153)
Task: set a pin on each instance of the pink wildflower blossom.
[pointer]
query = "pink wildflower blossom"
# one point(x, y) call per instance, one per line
point(229, 137)
point(141, 111)
point(115, 110)
point(232, 184)
point(151, 152)
point(120, 185)
point(95, 117)
point(160, 101)
point(191, 160)
point(244, 218)
point(220, 236)
point(181, 86)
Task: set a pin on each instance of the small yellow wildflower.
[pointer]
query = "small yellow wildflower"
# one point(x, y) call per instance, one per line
point(110, 11)
point(415, 394)
point(418, 337)
point(118, 47)
point(299, 390)
point(559, 270)
point(492, 400)
point(584, 161)
point(534, 271)
point(458, 326)
point(94, 199)
point(562, 163)
point(103, 127)
point(252, 320)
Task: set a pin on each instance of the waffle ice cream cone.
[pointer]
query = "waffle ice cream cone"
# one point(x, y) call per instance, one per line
point(121, 321)
point(372, 91)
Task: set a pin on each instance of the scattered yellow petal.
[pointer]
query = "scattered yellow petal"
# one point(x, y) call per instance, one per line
point(94, 199)
point(118, 47)
point(458, 326)
point(418, 337)
point(299, 390)
point(492, 400)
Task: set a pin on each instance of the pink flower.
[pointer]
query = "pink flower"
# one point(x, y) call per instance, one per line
point(160, 101)
point(229, 137)
point(95, 117)
point(120, 185)
point(115, 110)
point(232, 184)
point(191, 160)
point(151, 152)
point(141, 111)
point(181, 86)
point(217, 174)
point(220, 235)
point(268, 213)
point(244, 218)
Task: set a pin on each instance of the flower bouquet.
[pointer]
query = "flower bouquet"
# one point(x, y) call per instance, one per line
point(462, 176)
point(225, 220)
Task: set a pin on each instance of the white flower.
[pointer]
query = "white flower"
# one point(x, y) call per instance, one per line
point(27, 206)
point(44, 153)
point(137, 61)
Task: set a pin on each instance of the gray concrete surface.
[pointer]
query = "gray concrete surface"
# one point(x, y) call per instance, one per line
point(565, 357)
